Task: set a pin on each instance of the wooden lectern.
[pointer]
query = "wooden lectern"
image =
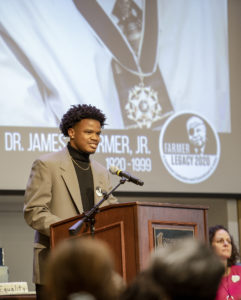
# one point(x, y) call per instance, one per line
point(134, 229)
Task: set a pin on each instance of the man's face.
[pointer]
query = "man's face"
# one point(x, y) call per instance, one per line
point(85, 135)
point(197, 135)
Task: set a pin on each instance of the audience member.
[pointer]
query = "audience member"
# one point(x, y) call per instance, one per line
point(223, 245)
point(81, 268)
point(186, 269)
point(144, 287)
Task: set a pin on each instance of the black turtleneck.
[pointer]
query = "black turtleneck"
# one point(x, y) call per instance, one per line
point(81, 163)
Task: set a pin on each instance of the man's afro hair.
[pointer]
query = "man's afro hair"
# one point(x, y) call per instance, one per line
point(79, 112)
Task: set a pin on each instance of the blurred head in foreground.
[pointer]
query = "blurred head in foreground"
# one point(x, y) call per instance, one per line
point(187, 269)
point(143, 287)
point(81, 265)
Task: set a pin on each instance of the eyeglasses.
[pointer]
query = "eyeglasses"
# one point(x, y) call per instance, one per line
point(222, 241)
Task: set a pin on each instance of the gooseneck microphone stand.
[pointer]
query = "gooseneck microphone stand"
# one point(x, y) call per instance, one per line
point(89, 217)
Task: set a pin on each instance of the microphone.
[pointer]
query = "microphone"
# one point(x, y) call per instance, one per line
point(114, 170)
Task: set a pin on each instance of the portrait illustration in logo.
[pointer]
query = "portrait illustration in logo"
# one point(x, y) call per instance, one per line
point(189, 147)
point(201, 138)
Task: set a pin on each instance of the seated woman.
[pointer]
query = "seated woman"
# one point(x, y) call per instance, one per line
point(223, 245)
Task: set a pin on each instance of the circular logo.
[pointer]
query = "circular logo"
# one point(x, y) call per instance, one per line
point(189, 147)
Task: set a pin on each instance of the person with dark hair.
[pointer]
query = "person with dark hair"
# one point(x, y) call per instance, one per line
point(143, 287)
point(63, 184)
point(223, 245)
point(78, 267)
point(186, 269)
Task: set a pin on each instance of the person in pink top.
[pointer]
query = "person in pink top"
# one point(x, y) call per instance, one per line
point(223, 245)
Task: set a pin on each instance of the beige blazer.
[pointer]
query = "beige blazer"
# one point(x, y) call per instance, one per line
point(52, 194)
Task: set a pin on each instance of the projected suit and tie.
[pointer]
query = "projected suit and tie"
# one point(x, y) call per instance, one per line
point(126, 56)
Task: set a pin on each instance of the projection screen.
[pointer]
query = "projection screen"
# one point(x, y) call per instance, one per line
point(158, 69)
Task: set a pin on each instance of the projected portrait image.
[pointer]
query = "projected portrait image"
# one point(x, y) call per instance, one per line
point(200, 137)
point(126, 56)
